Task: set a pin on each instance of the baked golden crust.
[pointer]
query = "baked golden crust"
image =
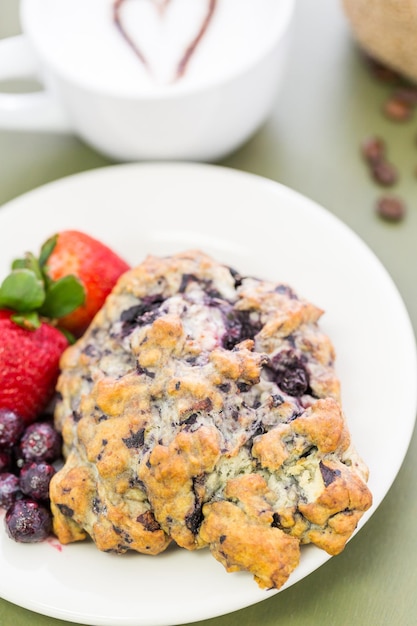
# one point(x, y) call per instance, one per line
point(203, 408)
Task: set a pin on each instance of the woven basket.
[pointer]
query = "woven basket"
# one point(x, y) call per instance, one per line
point(387, 31)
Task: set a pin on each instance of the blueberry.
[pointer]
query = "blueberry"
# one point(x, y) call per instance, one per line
point(329, 475)
point(238, 327)
point(11, 428)
point(35, 479)
point(186, 279)
point(40, 442)
point(203, 284)
point(236, 276)
point(141, 314)
point(28, 521)
point(9, 489)
point(290, 373)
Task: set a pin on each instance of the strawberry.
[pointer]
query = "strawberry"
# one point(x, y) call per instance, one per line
point(29, 366)
point(41, 301)
point(95, 265)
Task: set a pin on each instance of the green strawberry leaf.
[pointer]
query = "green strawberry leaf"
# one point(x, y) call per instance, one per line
point(29, 320)
point(47, 249)
point(22, 291)
point(18, 264)
point(29, 262)
point(62, 297)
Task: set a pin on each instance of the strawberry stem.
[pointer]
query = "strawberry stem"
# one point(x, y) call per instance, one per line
point(29, 292)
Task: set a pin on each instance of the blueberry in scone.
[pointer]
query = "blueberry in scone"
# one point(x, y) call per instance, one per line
point(202, 407)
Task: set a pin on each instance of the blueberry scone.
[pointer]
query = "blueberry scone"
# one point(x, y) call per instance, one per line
point(202, 408)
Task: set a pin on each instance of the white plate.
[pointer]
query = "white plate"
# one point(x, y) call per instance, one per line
point(261, 228)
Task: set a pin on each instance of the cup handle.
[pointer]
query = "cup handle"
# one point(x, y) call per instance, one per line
point(37, 111)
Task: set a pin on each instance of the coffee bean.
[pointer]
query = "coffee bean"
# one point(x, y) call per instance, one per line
point(373, 149)
point(391, 208)
point(384, 173)
point(398, 109)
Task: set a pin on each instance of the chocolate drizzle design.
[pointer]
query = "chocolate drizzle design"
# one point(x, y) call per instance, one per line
point(161, 6)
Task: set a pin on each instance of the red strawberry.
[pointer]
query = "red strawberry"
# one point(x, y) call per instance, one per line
point(95, 265)
point(74, 273)
point(29, 366)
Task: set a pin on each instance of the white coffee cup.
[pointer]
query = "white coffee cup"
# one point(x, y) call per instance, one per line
point(110, 72)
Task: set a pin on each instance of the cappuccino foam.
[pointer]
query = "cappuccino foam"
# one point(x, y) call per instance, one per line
point(82, 40)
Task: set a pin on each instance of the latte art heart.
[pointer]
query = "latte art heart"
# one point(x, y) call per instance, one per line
point(152, 31)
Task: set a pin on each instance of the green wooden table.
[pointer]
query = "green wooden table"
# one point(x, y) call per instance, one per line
point(329, 103)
